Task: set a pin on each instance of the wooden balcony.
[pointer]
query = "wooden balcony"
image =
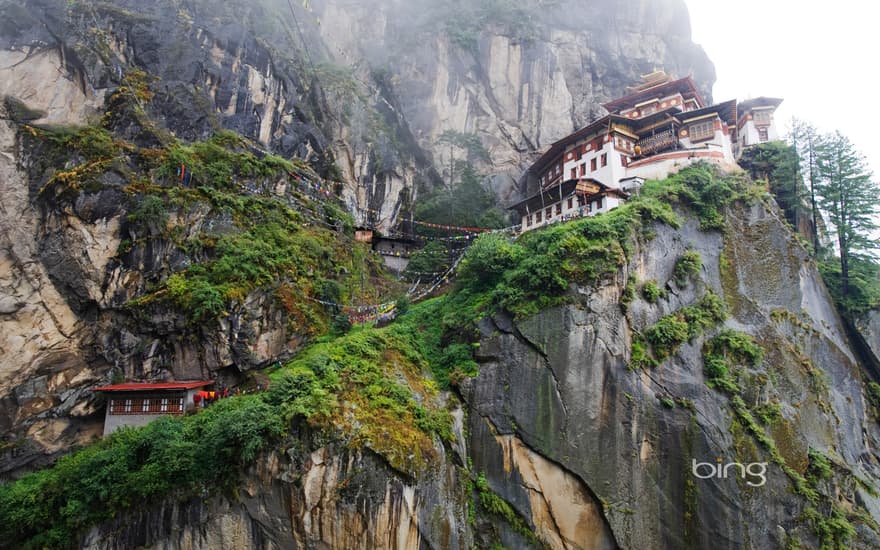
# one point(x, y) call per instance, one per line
point(657, 143)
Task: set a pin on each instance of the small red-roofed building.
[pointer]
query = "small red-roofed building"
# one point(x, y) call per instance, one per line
point(139, 403)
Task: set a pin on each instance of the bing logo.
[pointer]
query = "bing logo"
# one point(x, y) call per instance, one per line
point(720, 470)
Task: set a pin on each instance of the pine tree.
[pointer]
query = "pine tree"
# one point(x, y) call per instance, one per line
point(850, 200)
point(805, 139)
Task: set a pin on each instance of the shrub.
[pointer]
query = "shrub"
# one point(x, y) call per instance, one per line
point(688, 265)
point(651, 292)
point(487, 260)
point(666, 334)
point(149, 216)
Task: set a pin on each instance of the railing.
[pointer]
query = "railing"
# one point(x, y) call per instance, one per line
point(656, 143)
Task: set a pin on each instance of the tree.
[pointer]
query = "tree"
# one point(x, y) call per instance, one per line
point(850, 200)
point(778, 164)
point(805, 138)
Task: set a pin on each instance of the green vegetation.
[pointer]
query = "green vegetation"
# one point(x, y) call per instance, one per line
point(432, 258)
point(674, 329)
point(688, 265)
point(368, 385)
point(494, 504)
point(652, 293)
point(700, 188)
point(726, 352)
point(350, 383)
point(839, 191)
point(150, 216)
point(222, 162)
point(777, 163)
point(464, 201)
point(171, 456)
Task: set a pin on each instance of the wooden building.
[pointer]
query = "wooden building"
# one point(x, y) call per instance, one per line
point(137, 404)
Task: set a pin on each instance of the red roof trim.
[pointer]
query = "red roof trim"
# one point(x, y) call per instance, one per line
point(135, 386)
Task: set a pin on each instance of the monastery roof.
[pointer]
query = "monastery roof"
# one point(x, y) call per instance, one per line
point(758, 102)
point(683, 85)
point(558, 147)
point(726, 112)
point(155, 386)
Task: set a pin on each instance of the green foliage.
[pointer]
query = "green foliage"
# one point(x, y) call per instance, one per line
point(873, 389)
point(724, 353)
point(430, 328)
point(688, 265)
point(150, 216)
point(850, 200)
point(432, 258)
point(863, 289)
point(651, 292)
point(488, 259)
point(674, 329)
point(629, 291)
point(777, 163)
point(361, 369)
point(819, 468)
point(494, 504)
point(834, 530)
point(641, 357)
point(666, 335)
point(702, 188)
point(466, 203)
point(222, 162)
point(768, 412)
point(133, 467)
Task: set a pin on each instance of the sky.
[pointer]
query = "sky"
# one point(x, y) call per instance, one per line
point(817, 56)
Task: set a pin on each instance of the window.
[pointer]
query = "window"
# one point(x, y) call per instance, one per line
point(528, 220)
point(762, 133)
point(604, 159)
point(538, 217)
point(570, 201)
point(581, 200)
point(583, 169)
point(761, 117)
point(574, 173)
point(623, 160)
point(600, 203)
point(702, 130)
point(548, 213)
point(558, 208)
point(592, 165)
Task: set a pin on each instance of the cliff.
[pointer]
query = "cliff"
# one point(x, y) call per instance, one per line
point(571, 391)
point(673, 339)
point(359, 90)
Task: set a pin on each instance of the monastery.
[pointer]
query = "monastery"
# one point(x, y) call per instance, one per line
point(662, 125)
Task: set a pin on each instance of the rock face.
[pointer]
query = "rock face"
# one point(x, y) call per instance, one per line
point(868, 326)
point(332, 499)
point(558, 382)
point(519, 76)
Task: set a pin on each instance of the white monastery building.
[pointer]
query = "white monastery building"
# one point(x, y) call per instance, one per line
point(660, 127)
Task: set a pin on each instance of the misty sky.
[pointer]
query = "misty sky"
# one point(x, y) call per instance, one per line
point(818, 56)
